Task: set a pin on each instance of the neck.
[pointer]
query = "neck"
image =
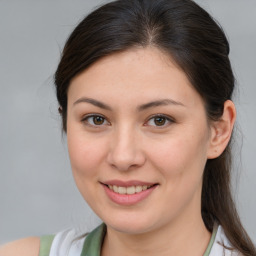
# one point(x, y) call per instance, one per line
point(174, 239)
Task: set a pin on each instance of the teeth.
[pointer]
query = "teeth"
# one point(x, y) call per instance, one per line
point(128, 190)
point(138, 189)
point(122, 190)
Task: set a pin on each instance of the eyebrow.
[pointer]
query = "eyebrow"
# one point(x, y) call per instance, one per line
point(93, 102)
point(156, 103)
point(163, 102)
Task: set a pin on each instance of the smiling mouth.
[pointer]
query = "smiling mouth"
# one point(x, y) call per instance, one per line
point(131, 190)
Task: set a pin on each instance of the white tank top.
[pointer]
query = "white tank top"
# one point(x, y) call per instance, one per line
point(69, 243)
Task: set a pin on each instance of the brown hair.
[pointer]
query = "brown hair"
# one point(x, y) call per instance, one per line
point(198, 45)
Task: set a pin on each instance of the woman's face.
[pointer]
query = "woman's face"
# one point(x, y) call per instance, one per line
point(138, 140)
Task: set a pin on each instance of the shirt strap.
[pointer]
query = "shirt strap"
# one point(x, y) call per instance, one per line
point(45, 245)
point(214, 232)
point(93, 242)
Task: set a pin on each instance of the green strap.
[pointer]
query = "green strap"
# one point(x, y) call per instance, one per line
point(93, 242)
point(214, 232)
point(45, 245)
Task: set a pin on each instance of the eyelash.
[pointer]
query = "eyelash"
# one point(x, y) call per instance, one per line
point(86, 118)
point(166, 119)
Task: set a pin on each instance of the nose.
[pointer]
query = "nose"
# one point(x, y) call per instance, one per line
point(125, 150)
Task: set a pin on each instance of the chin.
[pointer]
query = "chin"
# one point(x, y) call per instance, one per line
point(129, 228)
point(133, 224)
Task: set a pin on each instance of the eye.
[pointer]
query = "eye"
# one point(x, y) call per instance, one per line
point(159, 120)
point(95, 120)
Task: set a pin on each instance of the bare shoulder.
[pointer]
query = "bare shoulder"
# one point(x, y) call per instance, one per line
point(23, 247)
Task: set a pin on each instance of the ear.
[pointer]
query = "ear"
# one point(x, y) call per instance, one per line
point(60, 110)
point(221, 130)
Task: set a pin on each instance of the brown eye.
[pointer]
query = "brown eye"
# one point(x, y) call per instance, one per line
point(159, 121)
point(95, 120)
point(98, 120)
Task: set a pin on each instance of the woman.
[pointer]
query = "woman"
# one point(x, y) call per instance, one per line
point(145, 89)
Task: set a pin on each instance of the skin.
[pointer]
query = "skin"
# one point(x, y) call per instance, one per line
point(129, 143)
point(23, 247)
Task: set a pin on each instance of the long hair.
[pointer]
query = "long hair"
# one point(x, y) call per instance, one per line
point(198, 45)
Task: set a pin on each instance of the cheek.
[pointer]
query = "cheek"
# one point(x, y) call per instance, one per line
point(84, 153)
point(181, 163)
point(180, 156)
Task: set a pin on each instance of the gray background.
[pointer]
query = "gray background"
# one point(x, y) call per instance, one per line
point(37, 191)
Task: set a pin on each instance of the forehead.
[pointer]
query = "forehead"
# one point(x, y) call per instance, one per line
point(142, 74)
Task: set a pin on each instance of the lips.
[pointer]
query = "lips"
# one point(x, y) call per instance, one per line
point(128, 193)
point(128, 190)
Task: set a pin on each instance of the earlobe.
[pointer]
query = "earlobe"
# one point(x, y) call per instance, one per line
point(221, 130)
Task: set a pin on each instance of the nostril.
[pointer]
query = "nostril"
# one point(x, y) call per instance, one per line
point(125, 160)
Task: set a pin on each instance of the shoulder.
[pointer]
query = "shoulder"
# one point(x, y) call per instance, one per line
point(67, 242)
point(23, 247)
